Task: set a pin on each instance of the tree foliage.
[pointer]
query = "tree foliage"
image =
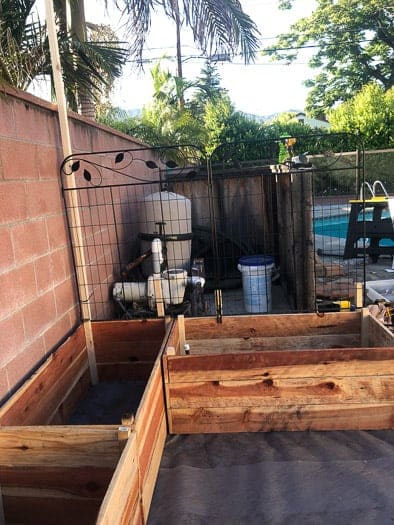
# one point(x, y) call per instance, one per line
point(23, 45)
point(218, 26)
point(207, 120)
point(88, 65)
point(370, 113)
point(354, 42)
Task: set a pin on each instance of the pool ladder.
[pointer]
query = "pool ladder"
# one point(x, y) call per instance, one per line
point(372, 190)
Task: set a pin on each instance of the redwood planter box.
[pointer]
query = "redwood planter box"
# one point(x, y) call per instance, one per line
point(55, 472)
point(247, 374)
point(332, 371)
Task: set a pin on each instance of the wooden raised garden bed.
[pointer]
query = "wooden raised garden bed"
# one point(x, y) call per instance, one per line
point(247, 374)
point(280, 372)
point(52, 471)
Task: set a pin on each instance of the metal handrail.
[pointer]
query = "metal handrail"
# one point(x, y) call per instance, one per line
point(362, 190)
point(379, 183)
point(372, 189)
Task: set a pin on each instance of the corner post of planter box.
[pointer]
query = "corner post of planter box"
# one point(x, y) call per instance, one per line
point(75, 220)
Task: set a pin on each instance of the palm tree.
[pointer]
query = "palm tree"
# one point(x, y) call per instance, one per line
point(89, 67)
point(219, 26)
point(22, 44)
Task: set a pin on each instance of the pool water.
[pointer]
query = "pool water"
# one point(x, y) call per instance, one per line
point(332, 226)
point(337, 226)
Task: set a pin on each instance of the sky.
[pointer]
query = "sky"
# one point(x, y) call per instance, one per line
point(262, 88)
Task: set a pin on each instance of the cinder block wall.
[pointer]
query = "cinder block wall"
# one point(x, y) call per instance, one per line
point(38, 297)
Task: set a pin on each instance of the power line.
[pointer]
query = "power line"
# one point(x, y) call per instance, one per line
point(311, 46)
point(203, 57)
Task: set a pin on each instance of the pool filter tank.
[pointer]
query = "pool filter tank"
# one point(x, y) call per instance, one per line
point(167, 216)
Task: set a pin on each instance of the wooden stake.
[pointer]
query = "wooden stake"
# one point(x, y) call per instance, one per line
point(359, 295)
point(75, 220)
point(182, 336)
point(158, 295)
point(364, 327)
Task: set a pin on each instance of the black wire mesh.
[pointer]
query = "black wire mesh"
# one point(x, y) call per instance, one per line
point(260, 222)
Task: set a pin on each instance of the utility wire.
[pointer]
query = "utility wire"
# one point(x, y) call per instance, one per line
point(203, 57)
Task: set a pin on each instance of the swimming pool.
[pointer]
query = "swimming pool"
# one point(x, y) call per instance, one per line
point(337, 226)
point(332, 226)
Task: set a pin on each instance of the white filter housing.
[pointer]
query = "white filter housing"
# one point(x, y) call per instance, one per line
point(174, 211)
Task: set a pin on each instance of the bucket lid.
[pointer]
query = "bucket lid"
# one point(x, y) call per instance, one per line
point(256, 260)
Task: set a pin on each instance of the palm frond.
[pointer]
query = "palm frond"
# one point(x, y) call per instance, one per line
point(221, 26)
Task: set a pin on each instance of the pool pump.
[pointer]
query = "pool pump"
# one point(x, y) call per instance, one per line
point(172, 283)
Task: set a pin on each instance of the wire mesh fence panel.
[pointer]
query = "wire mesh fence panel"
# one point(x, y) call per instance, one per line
point(260, 227)
point(133, 232)
point(271, 201)
point(337, 179)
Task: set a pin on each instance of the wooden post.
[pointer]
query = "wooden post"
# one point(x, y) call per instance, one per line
point(75, 220)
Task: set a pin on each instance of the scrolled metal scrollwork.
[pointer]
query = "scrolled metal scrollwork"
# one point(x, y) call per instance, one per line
point(95, 168)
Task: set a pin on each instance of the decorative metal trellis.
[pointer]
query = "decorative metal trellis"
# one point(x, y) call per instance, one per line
point(246, 201)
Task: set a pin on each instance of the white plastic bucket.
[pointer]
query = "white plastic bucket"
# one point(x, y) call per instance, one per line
point(256, 282)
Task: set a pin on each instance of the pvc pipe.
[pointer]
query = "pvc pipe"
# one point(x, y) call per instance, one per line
point(157, 255)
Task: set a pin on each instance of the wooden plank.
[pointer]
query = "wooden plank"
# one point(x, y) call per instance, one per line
point(123, 331)
point(378, 334)
point(76, 392)
point(123, 491)
point(272, 325)
point(46, 401)
point(136, 515)
point(148, 420)
point(356, 368)
point(150, 481)
point(147, 439)
point(83, 481)
point(256, 344)
point(48, 507)
point(279, 392)
point(36, 399)
point(292, 418)
point(259, 364)
point(128, 351)
point(125, 371)
point(67, 446)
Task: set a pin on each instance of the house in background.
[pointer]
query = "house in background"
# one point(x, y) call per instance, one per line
point(312, 122)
